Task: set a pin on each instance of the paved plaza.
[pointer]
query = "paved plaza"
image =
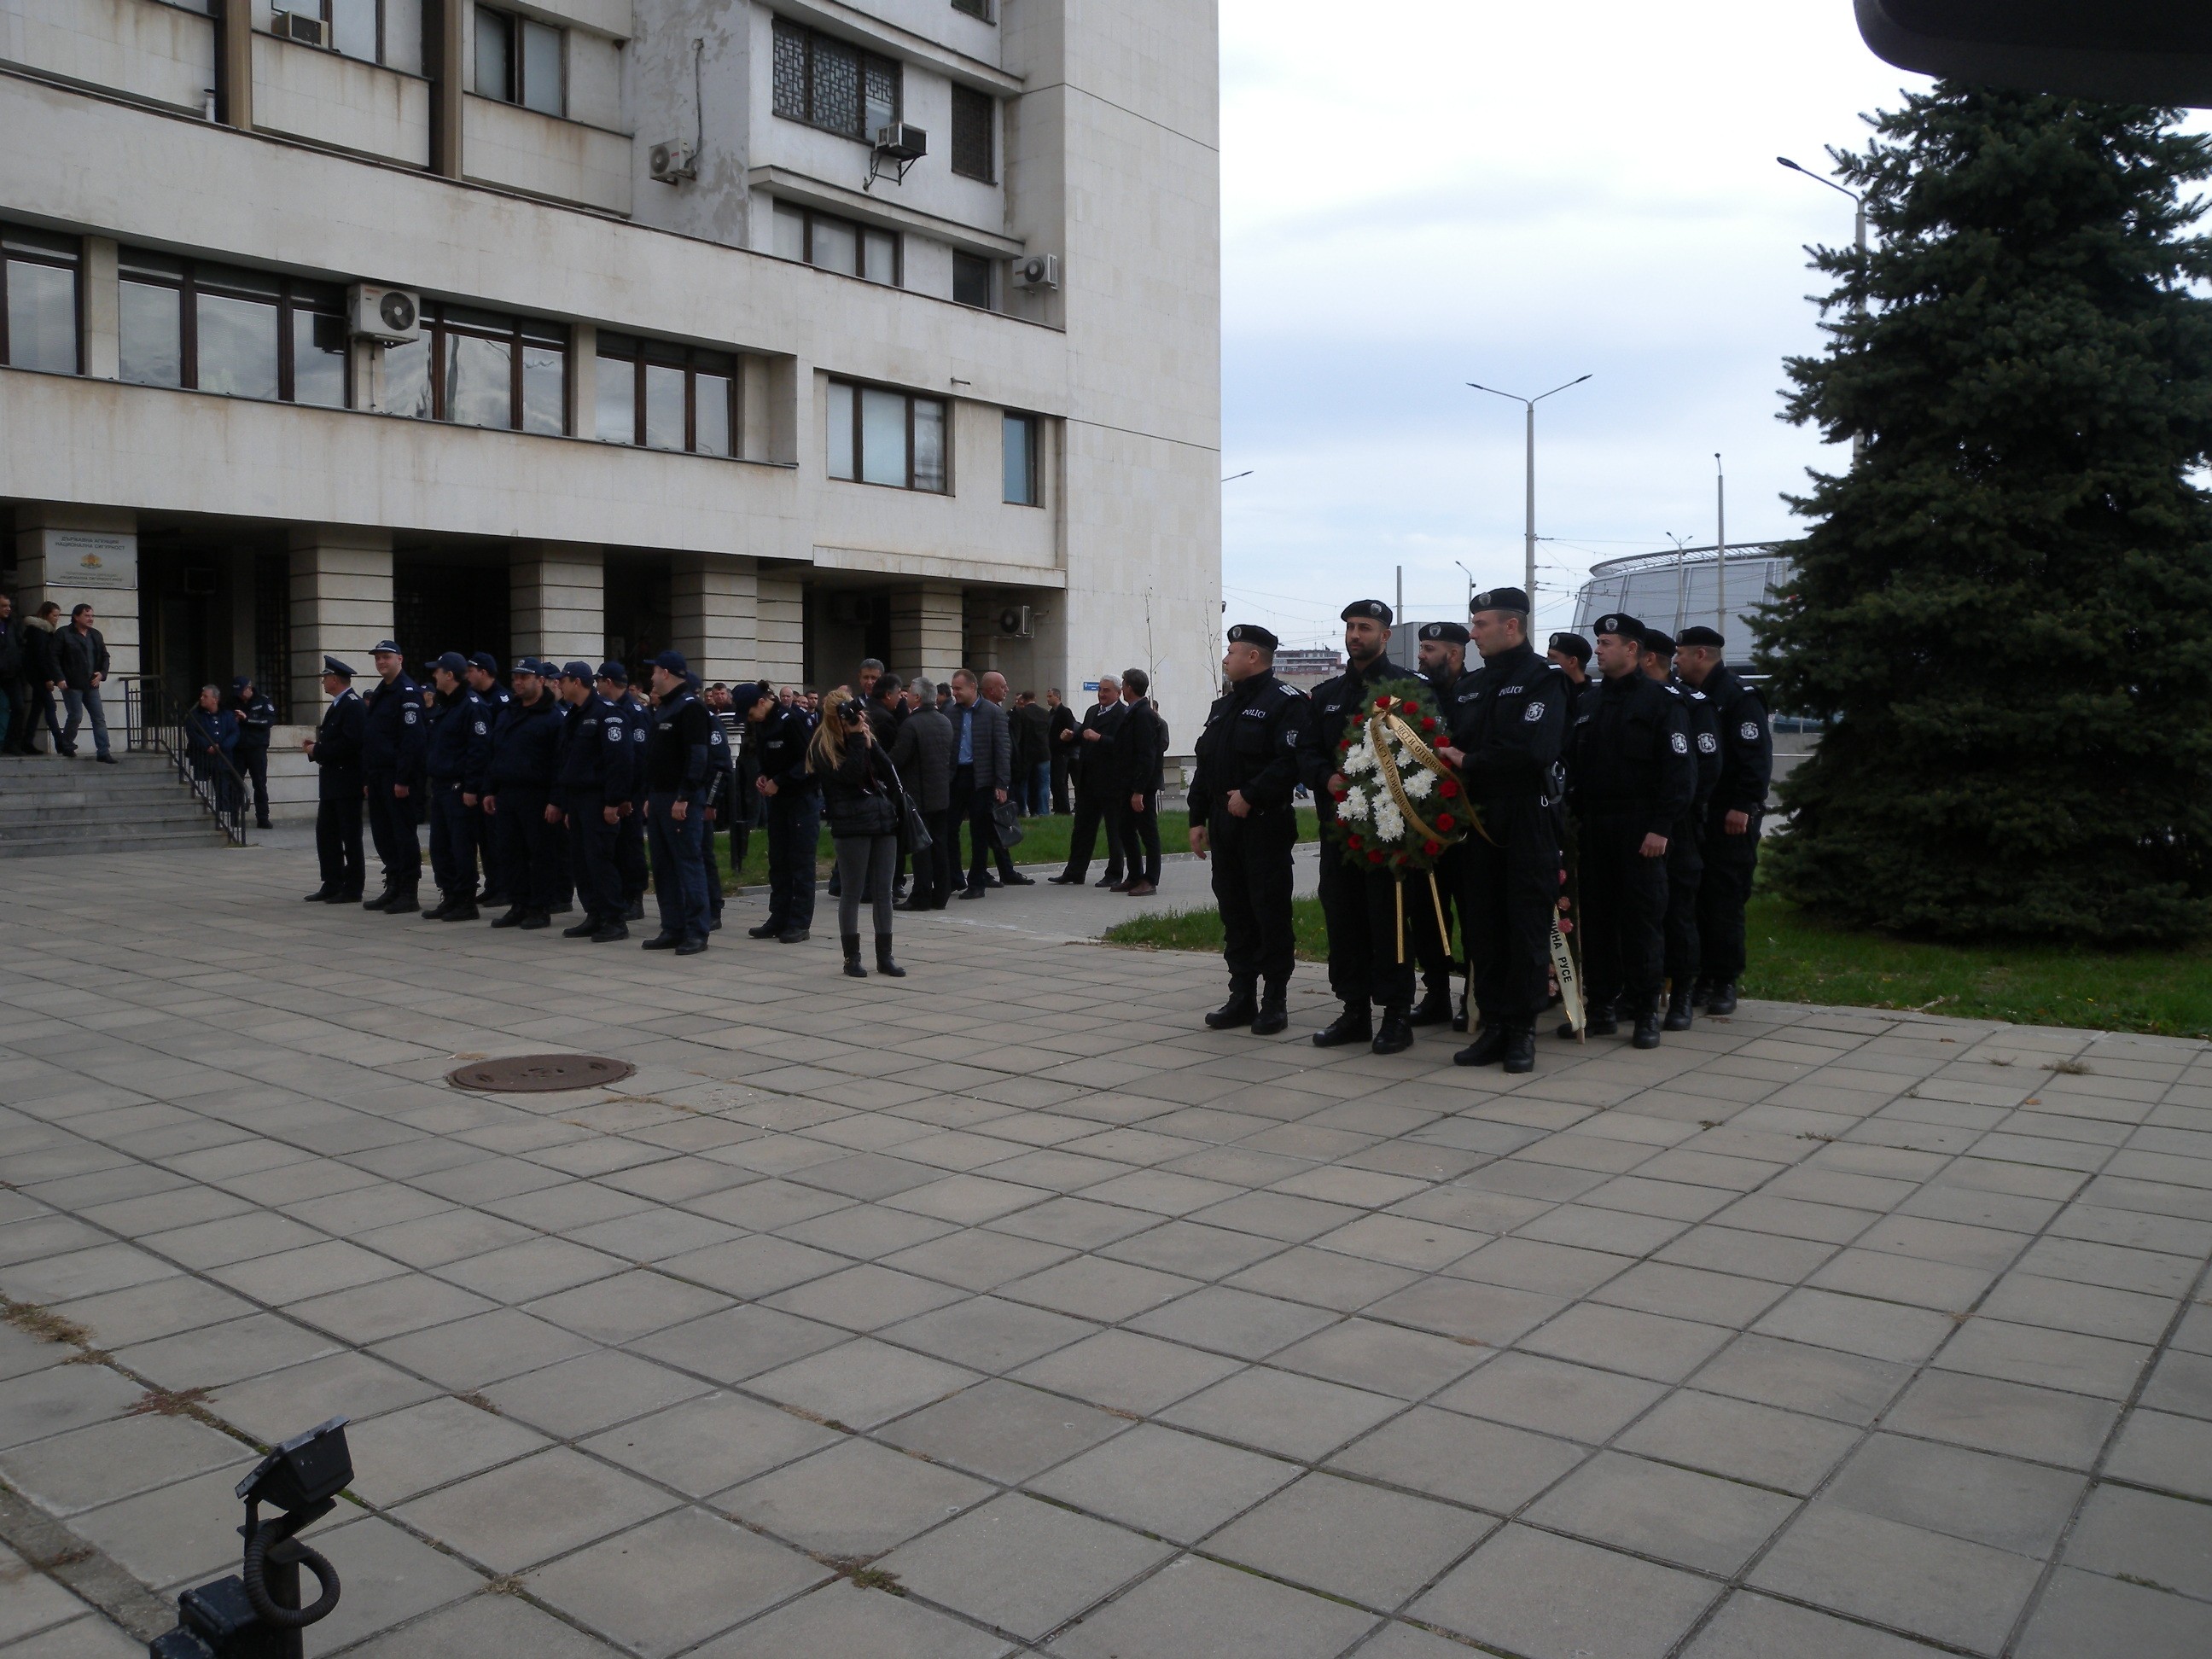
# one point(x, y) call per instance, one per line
point(1004, 1310)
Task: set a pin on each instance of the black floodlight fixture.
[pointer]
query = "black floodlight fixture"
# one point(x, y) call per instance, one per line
point(2145, 52)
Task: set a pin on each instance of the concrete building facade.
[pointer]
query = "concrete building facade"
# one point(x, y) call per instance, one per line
point(692, 347)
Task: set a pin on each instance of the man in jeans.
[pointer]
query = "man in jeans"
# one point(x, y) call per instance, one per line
point(82, 656)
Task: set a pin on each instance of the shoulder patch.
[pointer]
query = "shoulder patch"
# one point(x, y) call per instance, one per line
point(481, 728)
point(1748, 731)
point(409, 714)
point(1706, 744)
point(1533, 712)
point(1681, 744)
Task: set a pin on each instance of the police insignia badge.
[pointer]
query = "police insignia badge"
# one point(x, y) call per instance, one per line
point(1533, 713)
point(1681, 744)
point(1748, 731)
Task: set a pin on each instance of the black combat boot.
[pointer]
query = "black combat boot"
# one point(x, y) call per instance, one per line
point(1458, 1016)
point(609, 932)
point(1678, 1010)
point(437, 912)
point(382, 901)
point(1520, 1046)
point(884, 965)
point(1354, 1025)
point(464, 910)
point(1395, 1034)
point(514, 918)
point(1598, 1020)
point(1242, 1008)
point(1723, 1001)
point(636, 911)
point(766, 930)
point(584, 929)
point(852, 944)
point(662, 942)
point(1489, 1045)
point(1701, 994)
point(533, 920)
point(691, 944)
point(1273, 1016)
point(1435, 1007)
point(322, 895)
point(402, 902)
point(1647, 1025)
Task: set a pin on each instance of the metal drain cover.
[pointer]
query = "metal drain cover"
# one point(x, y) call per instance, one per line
point(520, 1074)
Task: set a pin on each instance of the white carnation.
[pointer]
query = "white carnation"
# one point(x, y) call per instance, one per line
point(1389, 822)
point(1419, 784)
point(1360, 761)
point(1355, 804)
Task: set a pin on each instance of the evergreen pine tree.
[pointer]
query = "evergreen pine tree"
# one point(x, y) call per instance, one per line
point(2005, 605)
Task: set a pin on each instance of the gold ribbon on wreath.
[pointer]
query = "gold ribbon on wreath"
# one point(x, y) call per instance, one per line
point(1386, 766)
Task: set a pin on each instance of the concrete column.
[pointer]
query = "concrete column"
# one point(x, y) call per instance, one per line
point(102, 343)
point(557, 599)
point(926, 630)
point(713, 615)
point(341, 603)
point(584, 381)
point(83, 556)
point(779, 629)
point(445, 51)
point(234, 66)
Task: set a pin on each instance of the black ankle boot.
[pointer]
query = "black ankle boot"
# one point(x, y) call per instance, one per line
point(1395, 1034)
point(1435, 1007)
point(884, 965)
point(437, 912)
point(1487, 1049)
point(1723, 1001)
point(514, 918)
point(853, 968)
point(1354, 1025)
point(1242, 1009)
point(1521, 1046)
point(1273, 1016)
point(584, 929)
point(1647, 1026)
point(1678, 1011)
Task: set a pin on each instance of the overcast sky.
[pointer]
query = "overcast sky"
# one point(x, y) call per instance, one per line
point(1440, 192)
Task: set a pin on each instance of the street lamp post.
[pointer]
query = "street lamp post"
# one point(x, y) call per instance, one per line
point(1530, 404)
point(1859, 240)
point(1470, 585)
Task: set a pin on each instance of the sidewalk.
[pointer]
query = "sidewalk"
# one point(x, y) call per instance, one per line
point(1004, 1310)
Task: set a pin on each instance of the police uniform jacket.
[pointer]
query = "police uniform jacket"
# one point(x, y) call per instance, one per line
point(337, 753)
point(256, 715)
point(596, 750)
point(680, 748)
point(1257, 738)
point(393, 739)
point(723, 758)
point(782, 750)
point(458, 749)
point(1747, 744)
point(1629, 756)
point(525, 741)
point(637, 714)
point(1704, 742)
point(1510, 719)
point(1337, 703)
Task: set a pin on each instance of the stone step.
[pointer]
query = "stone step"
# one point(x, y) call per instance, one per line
point(175, 807)
point(51, 807)
point(128, 785)
point(78, 842)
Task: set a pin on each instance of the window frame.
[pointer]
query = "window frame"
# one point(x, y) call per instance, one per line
point(322, 9)
point(989, 111)
point(859, 451)
point(1034, 440)
point(807, 41)
point(809, 216)
point(74, 263)
point(647, 352)
point(517, 92)
point(437, 327)
point(981, 10)
point(294, 295)
point(990, 270)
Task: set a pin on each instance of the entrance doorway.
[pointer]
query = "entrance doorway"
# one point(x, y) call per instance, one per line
point(450, 601)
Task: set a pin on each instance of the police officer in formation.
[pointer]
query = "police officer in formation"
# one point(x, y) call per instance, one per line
point(1685, 860)
point(679, 766)
point(1241, 816)
point(629, 845)
point(335, 751)
point(392, 772)
point(591, 790)
point(455, 756)
point(1442, 659)
point(518, 799)
point(779, 732)
point(482, 676)
point(1732, 815)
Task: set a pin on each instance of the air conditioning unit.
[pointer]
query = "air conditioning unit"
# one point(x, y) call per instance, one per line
point(672, 163)
point(1014, 622)
point(390, 315)
point(1038, 270)
point(295, 26)
point(902, 142)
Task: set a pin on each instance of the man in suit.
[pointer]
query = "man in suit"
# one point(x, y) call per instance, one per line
point(983, 775)
point(1091, 747)
point(335, 750)
point(1060, 737)
point(1138, 754)
point(923, 752)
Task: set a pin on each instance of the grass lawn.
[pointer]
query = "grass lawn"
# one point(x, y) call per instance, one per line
point(1798, 958)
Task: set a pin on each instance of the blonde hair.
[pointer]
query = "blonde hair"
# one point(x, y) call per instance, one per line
point(825, 750)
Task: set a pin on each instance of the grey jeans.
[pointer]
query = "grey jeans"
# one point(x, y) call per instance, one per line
point(78, 702)
point(865, 865)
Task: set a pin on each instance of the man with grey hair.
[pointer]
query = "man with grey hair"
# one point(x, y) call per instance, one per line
point(923, 752)
point(1097, 803)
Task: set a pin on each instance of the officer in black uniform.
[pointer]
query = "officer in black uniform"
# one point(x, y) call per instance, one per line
point(1360, 906)
point(679, 768)
point(721, 792)
point(392, 769)
point(1443, 661)
point(335, 750)
point(1629, 779)
point(1732, 817)
point(592, 788)
point(483, 678)
point(1508, 718)
point(1571, 654)
point(1249, 759)
point(455, 754)
point(629, 846)
point(794, 820)
point(1686, 862)
point(518, 797)
point(257, 716)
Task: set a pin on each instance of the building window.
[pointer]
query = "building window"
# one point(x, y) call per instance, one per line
point(478, 369)
point(971, 279)
point(973, 114)
point(519, 61)
point(37, 301)
point(973, 8)
point(349, 28)
point(1020, 438)
point(879, 437)
point(832, 84)
point(839, 245)
point(223, 329)
point(667, 396)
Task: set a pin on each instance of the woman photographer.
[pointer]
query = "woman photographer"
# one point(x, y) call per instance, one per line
point(861, 803)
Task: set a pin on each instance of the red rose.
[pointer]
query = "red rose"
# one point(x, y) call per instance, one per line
point(1352, 841)
point(1432, 848)
point(1341, 795)
point(1444, 821)
point(1428, 723)
point(1448, 789)
point(1382, 702)
point(1375, 858)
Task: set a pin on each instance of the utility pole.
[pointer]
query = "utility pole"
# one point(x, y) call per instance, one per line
point(1530, 534)
point(1720, 543)
point(1858, 237)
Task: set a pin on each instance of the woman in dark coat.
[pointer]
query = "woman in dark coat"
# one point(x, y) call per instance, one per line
point(861, 805)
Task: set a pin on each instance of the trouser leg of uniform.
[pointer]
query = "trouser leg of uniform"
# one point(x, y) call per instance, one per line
point(630, 853)
point(254, 763)
point(1430, 948)
point(1252, 883)
point(330, 857)
point(1730, 863)
point(1344, 908)
point(794, 825)
point(488, 850)
point(453, 858)
point(680, 883)
point(381, 832)
point(597, 864)
point(1512, 892)
point(1390, 951)
point(1684, 879)
point(532, 847)
point(1627, 915)
point(710, 869)
point(338, 827)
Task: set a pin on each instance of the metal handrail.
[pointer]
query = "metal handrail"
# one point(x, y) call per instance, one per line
point(152, 724)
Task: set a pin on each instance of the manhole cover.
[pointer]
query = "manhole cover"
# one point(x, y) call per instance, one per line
point(539, 1073)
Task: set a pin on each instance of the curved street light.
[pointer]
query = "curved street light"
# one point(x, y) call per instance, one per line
point(1530, 404)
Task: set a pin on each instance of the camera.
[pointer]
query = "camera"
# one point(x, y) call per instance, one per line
point(853, 713)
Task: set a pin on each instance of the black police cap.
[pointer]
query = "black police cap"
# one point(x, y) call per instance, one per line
point(333, 665)
point(1619, 624)
point(1660, 644)
point(1701, 634)
point(1253, 634)
point(1449, 632)
point(1372, 610)
point(1498, 599)
point(1571, 645)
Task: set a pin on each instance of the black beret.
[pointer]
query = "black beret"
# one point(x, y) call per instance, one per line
point(1449, 632)
point(1615, 622)
point(1662, 644)
point(1701, 634)
point(1373, 610)
point(1498, 599)
point(1573, 645)
point(1253, 634)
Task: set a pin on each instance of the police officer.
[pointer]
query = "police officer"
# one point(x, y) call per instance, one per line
point(482, 677)
point(679, 767)
point(592, 788)
point(629, 846)
point(1571, 654)
point(335, 750)
point(392, 770)
point(1685, 851)
point(1442, 655)
point(1250, 759)
point(1732, 816)
point(1508, 718)
point(455, 754)
point(1629, 779)
point(257, 716)
point(794, 820)
point(1360, 906)
point(721, 792)
point(518, 797)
